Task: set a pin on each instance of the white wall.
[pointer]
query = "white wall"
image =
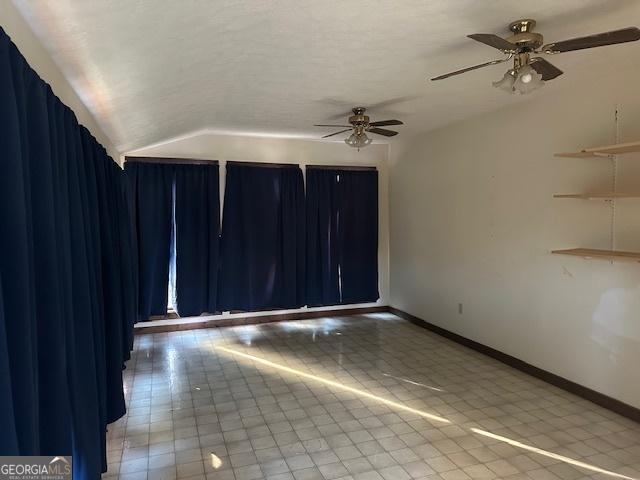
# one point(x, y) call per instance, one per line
point(300, 151)
point(473, 221)
point(31, 48)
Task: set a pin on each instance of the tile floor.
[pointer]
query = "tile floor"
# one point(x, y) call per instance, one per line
point(367, 397)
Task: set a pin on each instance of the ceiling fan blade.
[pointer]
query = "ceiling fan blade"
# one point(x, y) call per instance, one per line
point(630, 34)
point(336, 133)
point(384, 123)
point(546, 69)
point(475, 67)
point(383, 131)
point(494, 41)
point(343, 126)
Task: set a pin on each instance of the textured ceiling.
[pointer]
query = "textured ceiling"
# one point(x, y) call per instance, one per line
point(152, 70)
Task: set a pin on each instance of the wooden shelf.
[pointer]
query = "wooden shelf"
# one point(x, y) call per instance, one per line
point(606, 254)
point(598, 196)
point(617, 149)
point(602, 152)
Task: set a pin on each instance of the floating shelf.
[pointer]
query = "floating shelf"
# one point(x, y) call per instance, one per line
point(598, 196)
point(605, 254)
point(617, 149)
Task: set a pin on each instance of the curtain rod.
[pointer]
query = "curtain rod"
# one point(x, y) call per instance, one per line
point(340, 167)
point(167, 160)
point(264, 164)
point(195, 161)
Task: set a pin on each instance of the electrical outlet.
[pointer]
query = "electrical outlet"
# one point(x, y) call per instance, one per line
point(460, 309)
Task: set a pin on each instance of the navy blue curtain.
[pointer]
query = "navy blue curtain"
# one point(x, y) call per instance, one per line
point(262, 245)
point(342, 236)
point(15, 259)
point(358, 235)
point(151, 187)
point(197, 224)
point(127, 250)
point(9, 438)
point(323, 285)
point(64, 316)
point(119, 312)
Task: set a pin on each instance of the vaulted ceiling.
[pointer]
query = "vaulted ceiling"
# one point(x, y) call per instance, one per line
point(152, 70)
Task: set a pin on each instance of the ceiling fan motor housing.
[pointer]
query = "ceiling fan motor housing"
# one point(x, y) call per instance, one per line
point(358, 117)
point(523, 36)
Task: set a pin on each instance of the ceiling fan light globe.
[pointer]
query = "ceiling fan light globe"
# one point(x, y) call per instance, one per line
point(358, 140)
point(527, 80)
point(351, 140)
point(506, 82)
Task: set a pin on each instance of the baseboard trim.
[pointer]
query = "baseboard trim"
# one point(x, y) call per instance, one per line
point(141, 329)
point(598, 398)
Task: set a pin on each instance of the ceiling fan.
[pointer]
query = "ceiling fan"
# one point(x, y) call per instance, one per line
point(529, 73)
point(360, 125)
